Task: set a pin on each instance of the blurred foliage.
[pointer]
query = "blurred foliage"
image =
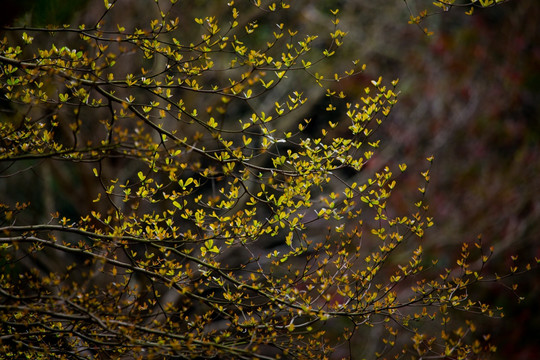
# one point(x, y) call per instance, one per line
point(470, 95)
point(39, 12)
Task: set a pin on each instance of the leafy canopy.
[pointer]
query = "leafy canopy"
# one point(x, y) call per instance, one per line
point(219, 220)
